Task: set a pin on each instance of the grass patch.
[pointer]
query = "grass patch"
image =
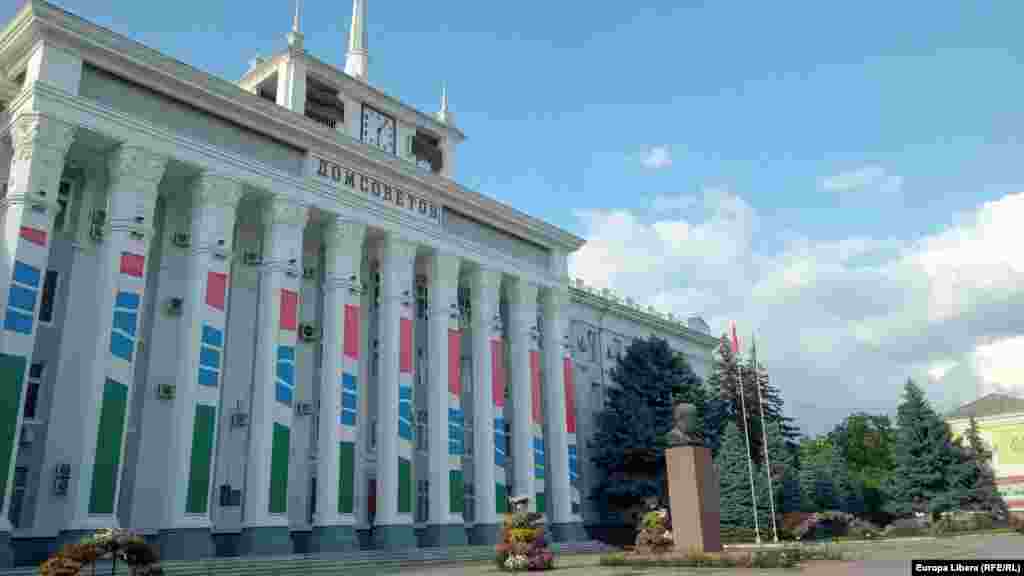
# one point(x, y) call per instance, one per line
point(777, 558)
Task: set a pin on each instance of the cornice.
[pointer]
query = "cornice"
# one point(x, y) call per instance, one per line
point(674, 327)
point(127, 58)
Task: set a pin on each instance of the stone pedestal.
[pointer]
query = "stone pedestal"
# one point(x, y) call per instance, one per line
point(693, 497)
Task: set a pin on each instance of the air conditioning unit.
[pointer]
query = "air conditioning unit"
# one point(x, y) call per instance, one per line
point(292, 271)
point(182, 239)
point(174, 306)
point(304, 408)
point(309, 273)
point(239, 420)
point(252, 259)
point(308, 332)
point(166, 391)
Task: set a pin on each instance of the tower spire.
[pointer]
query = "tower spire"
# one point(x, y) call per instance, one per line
point(295, 36)
point(357, 58)
point(296, 20)
point(444, 115)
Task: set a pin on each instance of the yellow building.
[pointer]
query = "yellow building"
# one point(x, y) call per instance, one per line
point(1000, 419)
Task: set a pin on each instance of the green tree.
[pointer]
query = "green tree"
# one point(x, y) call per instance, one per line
point(924, 457)
point(628, 445)
point(864, 442)
point(722, 384)
point(735, 503)
point(785, 471)
point(974, 483)
point(817, 485)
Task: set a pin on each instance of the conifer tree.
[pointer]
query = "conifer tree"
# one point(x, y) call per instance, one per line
point(974, 482)
point(722, 384)
point(924, 458)
point(785, 472)
point(628, 445)
point(736, 506)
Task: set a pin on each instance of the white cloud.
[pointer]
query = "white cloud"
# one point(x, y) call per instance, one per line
point(658, 157)
point(864, 179)
point(840, 324)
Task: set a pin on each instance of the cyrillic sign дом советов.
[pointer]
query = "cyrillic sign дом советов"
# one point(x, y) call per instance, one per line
point(392, 195)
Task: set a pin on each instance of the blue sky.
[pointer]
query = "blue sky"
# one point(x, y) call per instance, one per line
point(785, 160)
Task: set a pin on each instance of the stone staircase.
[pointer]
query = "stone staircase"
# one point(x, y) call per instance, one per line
point(333, 564)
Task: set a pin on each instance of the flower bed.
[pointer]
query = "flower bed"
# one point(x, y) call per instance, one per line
point(117, 545)
point(524, 544)
point(775, 558)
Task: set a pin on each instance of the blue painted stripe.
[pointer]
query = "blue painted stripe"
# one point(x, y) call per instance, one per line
point(538, 443)
point(125, 322)
point(404, 430)
point(454, 448)
point(286, 373)
point(209, 358)
point(455, 415)
point(208, 377)
point(348, 418)
point(283, 393)
point(572, 450)
point(21, 297)
point(121, 346)
point(19, 322)
point(349, 400)
point(25, 274)
point(286, 353)
point(213, 336)
point(405, 410)
point(405, 393)
point(499, 458)
point(128, 300)
point(348, 381)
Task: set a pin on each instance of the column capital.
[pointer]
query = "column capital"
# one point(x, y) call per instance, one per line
point(32, 132)
point(344, 231)
point(136, 163)
point(524, 292)
point(485, 280)
point(209, 189)
point(444, 267)
point(286, 211)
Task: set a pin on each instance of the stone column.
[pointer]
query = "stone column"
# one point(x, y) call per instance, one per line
point(527, 430)
point(395, 480)
point(187, 449)
point(133, 177)
point(265, 524)
point(564, 525)
point(40, 145)
point(488, 407)
point(340, 390)
point(444, 411)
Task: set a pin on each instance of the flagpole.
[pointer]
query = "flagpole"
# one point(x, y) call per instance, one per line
point(746, 437)
point(764, 439)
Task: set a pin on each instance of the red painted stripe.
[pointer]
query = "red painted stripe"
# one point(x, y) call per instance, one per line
point(498, 373)
point(405, 347)
point(289, 317)
point(1009, 479)
point(570, 396)
point(133, 264)
point(535, 385)
point(33, 235)
point(216, 290)
point(454, 362)
point(351, 346)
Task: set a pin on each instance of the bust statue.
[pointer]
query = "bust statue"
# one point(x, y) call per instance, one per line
point(685, 432)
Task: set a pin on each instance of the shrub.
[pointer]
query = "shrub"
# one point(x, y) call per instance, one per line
point(523, 544)
point(778, 558)
point(823, 525)
point(906, 527)
point(862, 529)
point(655, 534)
point(117, 544)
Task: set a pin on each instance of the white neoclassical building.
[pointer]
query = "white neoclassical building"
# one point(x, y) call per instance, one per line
point(261, 317)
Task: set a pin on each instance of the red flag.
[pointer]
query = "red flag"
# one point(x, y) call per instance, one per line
point(735, 339)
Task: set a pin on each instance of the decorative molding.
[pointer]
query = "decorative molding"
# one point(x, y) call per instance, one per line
point(137, 163)
point(212, 190)
point(344, 233)
point(609, 302)
point(32, 133)
point(287, 211)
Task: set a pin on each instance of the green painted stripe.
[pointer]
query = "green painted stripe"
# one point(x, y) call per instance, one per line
point(456, 492)
point(202, 454)
point(500, 498)
point(404, 486)
point(108, 447)
point(346, 477)
point(12, 376)
point(279, 469)
point(542, 503)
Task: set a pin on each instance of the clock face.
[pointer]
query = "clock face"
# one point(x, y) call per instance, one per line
point(378, 130)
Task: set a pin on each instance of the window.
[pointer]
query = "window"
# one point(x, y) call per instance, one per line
point(35, 379)
point(421, 431)
point(422, 500)
point(64, 206)
point(46, 300)
point(426, 149)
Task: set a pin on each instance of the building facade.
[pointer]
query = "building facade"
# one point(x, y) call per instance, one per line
point(244, 316)
point(1000, 421)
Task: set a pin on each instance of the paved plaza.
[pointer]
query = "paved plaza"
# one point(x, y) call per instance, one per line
point(884, 558)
